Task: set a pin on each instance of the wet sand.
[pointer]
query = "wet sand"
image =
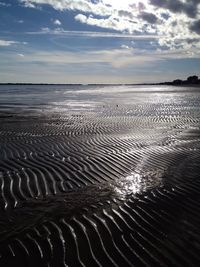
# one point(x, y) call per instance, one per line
point(115, 186)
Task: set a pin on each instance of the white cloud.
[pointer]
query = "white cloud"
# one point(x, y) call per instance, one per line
point(83, 5)
point(7, 43)
point(107, 23)
point(10, 42)
point(126, 47)
point(57, 22)
point(115, 58)
point(171, 23)
point(29, 4)
point(60, 31)
point(82, 18)
point(4, 4)
point(120, 58)
point(45, 30)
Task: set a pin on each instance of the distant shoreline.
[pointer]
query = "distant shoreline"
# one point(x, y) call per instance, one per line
point(80, 84)
point(191, 81)
point(105, 84)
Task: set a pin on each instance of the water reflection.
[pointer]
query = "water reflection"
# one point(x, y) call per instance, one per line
point(136, 183)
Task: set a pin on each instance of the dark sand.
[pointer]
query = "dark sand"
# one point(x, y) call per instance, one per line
point(118, 186)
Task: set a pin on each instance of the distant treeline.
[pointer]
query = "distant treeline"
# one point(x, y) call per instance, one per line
point(191, 80)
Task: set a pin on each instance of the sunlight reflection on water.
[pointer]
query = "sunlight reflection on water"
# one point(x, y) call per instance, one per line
point(138, 182)
point(43, 98)
point(131, 184)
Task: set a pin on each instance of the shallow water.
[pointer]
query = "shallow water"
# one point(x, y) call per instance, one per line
point(99, 175)
point(81, 97)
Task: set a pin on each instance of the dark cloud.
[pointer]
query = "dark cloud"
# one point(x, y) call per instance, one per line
point(195, 27)
point(149, 17)
point(165, 16)
point(141, 6)
point(123, 13)
point(190, 8)
point(192, 40)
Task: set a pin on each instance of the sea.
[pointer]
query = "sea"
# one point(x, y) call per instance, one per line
point(43, 98)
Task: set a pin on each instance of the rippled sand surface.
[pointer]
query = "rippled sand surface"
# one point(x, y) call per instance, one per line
point(99, 176)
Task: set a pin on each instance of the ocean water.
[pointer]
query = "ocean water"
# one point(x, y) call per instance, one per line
point(99, 175)
point(18, 98)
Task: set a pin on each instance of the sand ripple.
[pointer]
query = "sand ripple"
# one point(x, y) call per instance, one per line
point(116, 187)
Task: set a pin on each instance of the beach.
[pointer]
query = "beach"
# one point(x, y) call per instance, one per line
point(96, 175)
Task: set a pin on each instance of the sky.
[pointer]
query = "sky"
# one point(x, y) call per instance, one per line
point(99, 41)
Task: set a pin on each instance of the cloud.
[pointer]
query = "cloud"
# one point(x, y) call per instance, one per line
point(83, 5)
point(125, 47)
point(115, 58)
point(82, 18)
point(29, 4)
point(189, 7)
point(108, 23)
point(10, 42)
point(195, 27)
point(173, 21)
point(112, 23)
point(124, 13)
point(104, 65)
point(121, 58)
point(45, 30)
point(89, 34)
point(7, 43)
point(149, 17)
point(3, 4)
point(57, 22)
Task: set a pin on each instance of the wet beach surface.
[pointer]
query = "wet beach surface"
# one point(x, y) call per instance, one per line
point(99, 176)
